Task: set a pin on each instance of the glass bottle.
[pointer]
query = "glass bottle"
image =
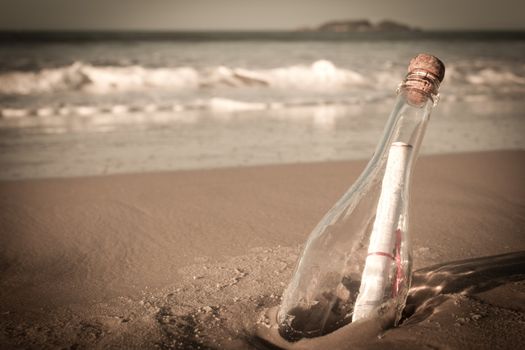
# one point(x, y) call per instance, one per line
point(357, 262)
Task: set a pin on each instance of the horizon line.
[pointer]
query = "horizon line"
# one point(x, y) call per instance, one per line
point(225, 30)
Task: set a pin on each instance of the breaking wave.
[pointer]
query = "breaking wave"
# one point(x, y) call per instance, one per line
point(321, 74)
point(489, 76)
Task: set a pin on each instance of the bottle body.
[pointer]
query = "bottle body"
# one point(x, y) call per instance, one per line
point(357, 260)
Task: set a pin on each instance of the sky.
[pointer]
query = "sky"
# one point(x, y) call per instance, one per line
point(254, 14)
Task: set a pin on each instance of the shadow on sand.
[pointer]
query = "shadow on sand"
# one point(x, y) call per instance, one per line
point(467, 277)
point(430, 287)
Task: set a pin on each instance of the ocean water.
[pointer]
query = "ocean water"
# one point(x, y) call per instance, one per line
point(75, 104)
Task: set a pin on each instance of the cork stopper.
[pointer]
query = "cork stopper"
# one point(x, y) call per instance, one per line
point(427, 63)
point(425, 73)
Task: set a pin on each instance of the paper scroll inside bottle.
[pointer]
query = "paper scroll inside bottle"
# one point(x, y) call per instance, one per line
point(382, 249)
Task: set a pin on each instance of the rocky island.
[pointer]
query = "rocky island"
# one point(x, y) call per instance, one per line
point(361, 25)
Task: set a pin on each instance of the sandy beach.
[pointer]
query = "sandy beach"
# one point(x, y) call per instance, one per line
point(192, 259)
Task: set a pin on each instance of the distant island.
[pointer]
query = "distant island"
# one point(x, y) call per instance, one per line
point(360, 25)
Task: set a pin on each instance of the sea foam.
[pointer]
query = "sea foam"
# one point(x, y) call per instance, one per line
point(321, 74)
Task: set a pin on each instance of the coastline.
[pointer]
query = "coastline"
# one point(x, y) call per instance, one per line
point(190, 258)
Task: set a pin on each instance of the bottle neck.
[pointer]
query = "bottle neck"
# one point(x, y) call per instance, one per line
point(406, 124)
point(410, 119)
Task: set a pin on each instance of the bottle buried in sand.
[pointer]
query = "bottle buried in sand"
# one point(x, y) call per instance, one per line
point(337, 279)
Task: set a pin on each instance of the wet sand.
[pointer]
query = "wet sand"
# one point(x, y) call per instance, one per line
point(191, 259)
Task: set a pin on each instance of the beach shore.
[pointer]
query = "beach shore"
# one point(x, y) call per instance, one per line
point(190, 259)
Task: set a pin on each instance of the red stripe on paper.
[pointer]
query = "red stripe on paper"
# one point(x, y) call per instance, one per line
point(382, 254)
